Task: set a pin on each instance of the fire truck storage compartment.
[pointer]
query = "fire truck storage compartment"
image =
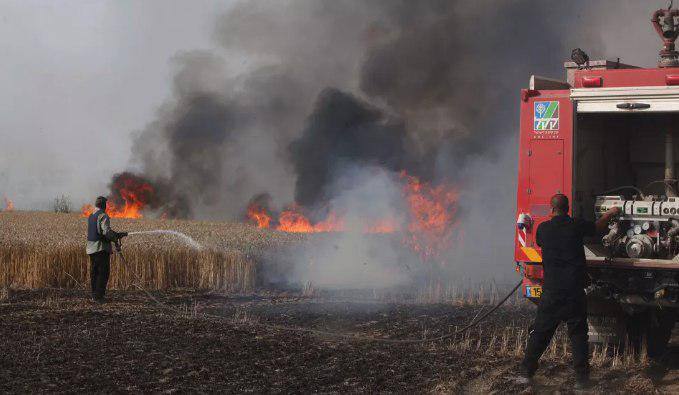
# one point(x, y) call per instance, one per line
point(615, 150)
point(629, 159)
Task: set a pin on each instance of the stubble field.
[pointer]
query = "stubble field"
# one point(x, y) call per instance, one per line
point(218, 330)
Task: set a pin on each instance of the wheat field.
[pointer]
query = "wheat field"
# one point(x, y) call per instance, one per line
point(41, 250)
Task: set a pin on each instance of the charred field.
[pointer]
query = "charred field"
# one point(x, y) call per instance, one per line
point(220, 329)
point(54, 341)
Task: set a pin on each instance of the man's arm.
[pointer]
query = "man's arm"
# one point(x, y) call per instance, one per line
point(602, 223)
point(107, 232)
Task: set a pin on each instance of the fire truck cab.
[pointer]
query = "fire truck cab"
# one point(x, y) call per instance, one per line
point(607, 136)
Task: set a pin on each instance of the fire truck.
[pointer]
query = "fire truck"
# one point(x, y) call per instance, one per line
point(608, 136)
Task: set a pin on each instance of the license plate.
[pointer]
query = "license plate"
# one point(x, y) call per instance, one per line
point(534, 292)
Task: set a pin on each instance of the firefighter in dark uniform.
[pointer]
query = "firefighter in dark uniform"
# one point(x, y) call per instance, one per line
point(563, 295)
point(99, 239)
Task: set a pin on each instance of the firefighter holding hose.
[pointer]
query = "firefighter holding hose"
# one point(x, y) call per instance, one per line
point(563, 296)
point(99, 239)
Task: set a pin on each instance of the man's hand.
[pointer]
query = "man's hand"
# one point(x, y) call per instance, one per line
point(613, 211)
point(602, 223)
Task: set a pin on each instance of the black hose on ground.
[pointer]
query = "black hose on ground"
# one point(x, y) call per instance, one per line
point(348, 336)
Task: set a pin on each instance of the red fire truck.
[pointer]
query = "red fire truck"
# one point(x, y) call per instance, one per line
point(604, 137)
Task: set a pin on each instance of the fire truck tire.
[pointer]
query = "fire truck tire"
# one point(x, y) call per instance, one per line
point(608, 323)
point(651, 331)
point(658, 332)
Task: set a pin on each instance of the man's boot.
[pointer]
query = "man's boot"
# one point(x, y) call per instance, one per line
point(525, 375)
point(582, 381)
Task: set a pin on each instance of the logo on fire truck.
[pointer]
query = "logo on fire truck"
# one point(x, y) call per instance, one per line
point(546, 115)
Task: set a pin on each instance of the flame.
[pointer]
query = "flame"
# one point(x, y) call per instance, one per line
point(292, 220)
point(259, 216)
point(9, 205)
point(131, 209)
point(131, 197)
point(295, 222)
point(431, 226)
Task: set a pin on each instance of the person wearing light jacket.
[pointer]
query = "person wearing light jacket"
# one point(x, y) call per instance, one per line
point(99, 239)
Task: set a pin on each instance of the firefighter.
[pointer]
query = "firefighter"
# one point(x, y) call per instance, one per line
point(99, 238)
point(563, 295)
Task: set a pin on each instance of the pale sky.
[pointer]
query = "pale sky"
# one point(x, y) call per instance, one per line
point(76, 79)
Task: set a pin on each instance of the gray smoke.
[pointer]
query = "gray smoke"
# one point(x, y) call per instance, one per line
point(333, 89)
point(231, 135)
point(215, 141)
point(453, 68)
point(443, 74)
point(99, 72)
point(430, 87)
point(342, 132)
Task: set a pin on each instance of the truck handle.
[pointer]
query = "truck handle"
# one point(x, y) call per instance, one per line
point(633, 106)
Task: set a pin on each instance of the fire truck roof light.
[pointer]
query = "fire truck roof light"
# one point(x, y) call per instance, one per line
point(672, 79)
point(592, 82)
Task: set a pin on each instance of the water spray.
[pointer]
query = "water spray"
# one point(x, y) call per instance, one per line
point(187, 239)
point(119, 250)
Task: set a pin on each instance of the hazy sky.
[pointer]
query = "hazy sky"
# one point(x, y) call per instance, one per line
point(77, 78)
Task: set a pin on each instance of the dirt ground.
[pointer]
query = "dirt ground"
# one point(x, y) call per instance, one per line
point(57, 341)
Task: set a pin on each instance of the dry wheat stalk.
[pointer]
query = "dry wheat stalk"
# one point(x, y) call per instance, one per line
point(40, 250)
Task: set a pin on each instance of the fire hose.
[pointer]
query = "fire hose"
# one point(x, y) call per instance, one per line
point(474, 322)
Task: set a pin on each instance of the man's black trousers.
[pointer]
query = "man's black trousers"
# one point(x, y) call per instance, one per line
point(99, 271)
point(558, 306)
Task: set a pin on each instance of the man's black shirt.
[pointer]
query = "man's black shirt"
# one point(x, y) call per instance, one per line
point(563, 255)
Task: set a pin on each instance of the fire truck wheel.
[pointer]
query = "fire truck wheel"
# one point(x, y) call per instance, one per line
point(608, 323)
point(658, 332)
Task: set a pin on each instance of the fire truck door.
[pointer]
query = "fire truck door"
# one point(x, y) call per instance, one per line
point(545, 175)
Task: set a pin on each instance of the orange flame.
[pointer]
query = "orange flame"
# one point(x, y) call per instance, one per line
point(292, 220)
point(133, 196)
point(128, 210)
point(259, 215)
point(432, 224)
point(295, 222)
point(430, 228)
point(9, 205)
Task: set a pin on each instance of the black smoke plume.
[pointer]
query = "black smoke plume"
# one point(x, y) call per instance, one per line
point(125, 186)
point(343, 131)
point(438, 83)
point(129, 188)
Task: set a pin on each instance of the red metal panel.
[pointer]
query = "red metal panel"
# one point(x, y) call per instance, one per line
point(545, 159)
point(545, 173)
point(533, 271)
point(627, 77)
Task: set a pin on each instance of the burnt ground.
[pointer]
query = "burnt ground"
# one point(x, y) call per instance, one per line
point(55, 341)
